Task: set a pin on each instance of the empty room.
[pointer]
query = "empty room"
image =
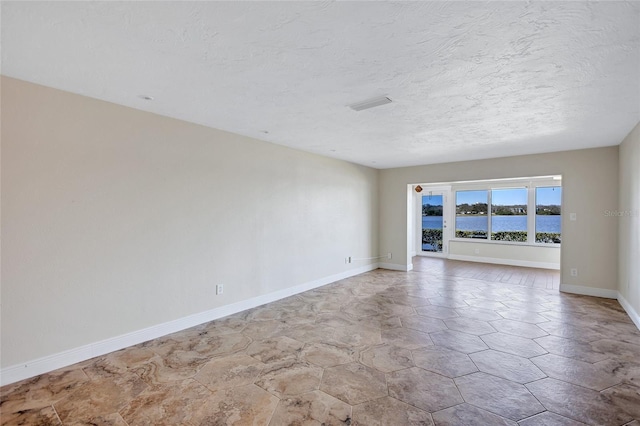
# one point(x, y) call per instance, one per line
point(320, 213)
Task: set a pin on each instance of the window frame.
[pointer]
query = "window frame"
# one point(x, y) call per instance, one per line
point(530, 184)
point(535, 215)
point(491, 215)
point(455, 214)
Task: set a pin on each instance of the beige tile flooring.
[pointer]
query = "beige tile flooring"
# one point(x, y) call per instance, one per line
point(530, 277)
point(450, 343)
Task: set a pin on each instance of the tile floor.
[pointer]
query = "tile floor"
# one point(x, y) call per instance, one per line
point(450, 343)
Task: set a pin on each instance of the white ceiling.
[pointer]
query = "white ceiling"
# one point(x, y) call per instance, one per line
point(468, 80)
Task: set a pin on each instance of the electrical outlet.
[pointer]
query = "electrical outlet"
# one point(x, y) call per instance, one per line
point(476, 251)
point(574, 272)
point(219, 289)
point(389, 255)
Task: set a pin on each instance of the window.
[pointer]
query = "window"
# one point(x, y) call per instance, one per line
point(509, 214)
point(471, 214)
point(530, 213)
point(432, 228)
point(548, 214)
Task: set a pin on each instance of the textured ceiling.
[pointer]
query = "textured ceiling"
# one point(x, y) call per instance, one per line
point(468, 79)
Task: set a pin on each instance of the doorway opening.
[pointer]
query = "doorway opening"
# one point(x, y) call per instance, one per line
point(433, 225)
point(514, 222)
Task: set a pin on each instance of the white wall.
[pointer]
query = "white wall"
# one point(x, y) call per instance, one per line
point(589, 179)
point(114, 219)
point(628, 219)
point(508, 254)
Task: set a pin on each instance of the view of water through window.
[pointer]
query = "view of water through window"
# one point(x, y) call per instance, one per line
point(432, 223)
point(508, 212)
point(502, 223)
point(548, 208)
point(472, 219)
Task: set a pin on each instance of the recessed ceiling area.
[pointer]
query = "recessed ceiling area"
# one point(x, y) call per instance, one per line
point(468, 80)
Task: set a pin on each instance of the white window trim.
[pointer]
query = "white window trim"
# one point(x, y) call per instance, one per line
point(488, 185)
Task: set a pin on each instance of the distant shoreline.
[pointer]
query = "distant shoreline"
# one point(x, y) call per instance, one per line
point(483, 214)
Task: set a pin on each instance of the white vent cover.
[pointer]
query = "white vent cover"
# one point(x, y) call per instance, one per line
point(370, 103)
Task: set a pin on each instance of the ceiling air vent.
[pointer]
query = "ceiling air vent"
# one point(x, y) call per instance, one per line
point(370, 103)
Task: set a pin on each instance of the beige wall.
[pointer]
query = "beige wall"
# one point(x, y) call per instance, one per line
point(115, 219)
point(588, 180)
point(628, 217)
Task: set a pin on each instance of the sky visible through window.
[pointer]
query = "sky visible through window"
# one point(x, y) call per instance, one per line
point(433, 200)
point(549, 196)
point(471, 197)
point(509, 197)
point(545, 196)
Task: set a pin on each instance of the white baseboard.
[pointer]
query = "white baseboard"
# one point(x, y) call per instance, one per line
point(606, 293)
point(49, 363)
point(589, 291)
point(510, 262)
point(396, 267)
point(635, 317)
